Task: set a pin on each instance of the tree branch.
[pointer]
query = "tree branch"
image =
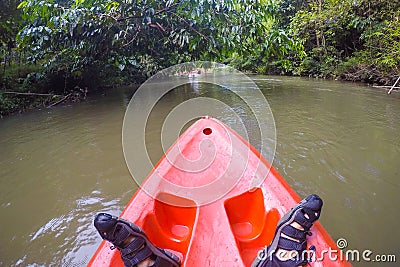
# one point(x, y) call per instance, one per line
point(31, 94)
point(134, 37)
point(166, 9)
point(59, 101)
point(190, 26)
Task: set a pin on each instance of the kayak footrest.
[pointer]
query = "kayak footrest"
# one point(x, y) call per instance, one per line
point(252, 226)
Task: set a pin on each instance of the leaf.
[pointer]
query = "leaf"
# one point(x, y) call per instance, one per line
point(79, 2)
point(22, 4)
point(111, 5)
point(121, 67)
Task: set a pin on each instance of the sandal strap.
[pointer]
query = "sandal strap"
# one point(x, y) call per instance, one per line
point(164, 263)
point(288, 244)
point(122, 235)
point(132, 260)
point(133, 246)
point(311, 213)
point(117, 231)
point(294, 232)
point(305, 222)
point(171, 255)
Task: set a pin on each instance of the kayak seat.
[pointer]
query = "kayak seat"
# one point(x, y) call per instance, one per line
point(252, 226)
point(171, 223)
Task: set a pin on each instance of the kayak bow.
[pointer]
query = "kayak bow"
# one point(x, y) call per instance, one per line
point(214, 199)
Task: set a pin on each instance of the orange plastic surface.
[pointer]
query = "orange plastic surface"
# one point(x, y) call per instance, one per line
point(252, 226)
point(228, 231)
point(171, 225)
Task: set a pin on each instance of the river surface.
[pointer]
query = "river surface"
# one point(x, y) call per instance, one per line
point(60, 166)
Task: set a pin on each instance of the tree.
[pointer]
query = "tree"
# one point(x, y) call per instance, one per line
point(139, 37)
point(10, 22)
point(338, 34)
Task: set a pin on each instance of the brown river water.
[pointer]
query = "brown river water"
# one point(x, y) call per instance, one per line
point(60, 166)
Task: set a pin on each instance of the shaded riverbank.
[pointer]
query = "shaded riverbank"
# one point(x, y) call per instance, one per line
point(19, 101)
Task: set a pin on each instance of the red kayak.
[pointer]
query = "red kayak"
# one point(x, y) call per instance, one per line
point(214, 199)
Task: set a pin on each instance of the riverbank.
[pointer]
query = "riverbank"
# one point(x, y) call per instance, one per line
point(354, 41)
point(28, 87)
point(24, 89)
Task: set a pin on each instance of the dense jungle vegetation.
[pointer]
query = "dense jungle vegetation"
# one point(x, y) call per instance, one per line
point(51, 49)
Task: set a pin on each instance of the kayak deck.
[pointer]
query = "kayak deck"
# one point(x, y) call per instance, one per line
point(214, 199)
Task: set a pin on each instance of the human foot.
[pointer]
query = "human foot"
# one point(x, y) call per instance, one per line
point(289, 241)
point(136, 249)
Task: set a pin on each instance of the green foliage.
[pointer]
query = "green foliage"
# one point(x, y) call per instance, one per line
point(10, 21)
point(20, 78)
point(90, 43)
point(334, 32)
point(6, 105)
point(140, 37)
point(137, 38)
point(383, 44)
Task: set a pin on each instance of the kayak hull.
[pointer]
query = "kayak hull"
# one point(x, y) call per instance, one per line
point(214, 200)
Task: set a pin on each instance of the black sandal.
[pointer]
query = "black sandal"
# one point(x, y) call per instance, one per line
point(118, 231)
point(305, 214)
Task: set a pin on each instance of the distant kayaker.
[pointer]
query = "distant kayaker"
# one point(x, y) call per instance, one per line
point(286, 249)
